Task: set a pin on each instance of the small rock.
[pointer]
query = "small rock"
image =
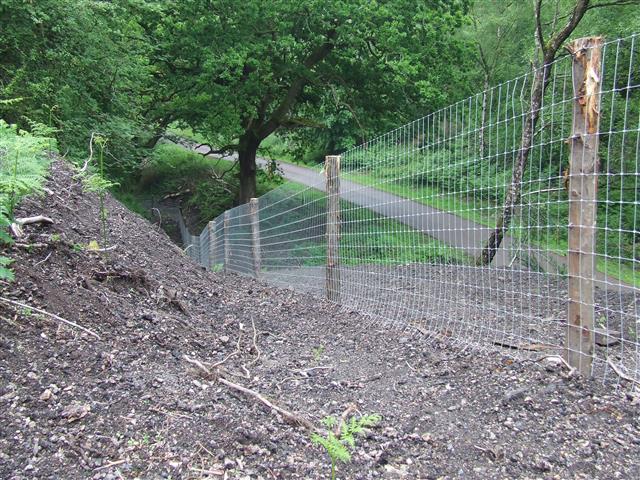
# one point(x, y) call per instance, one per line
point(75, 412)
point(46, 395)
point(543, 464)
point(514, 394)
point(224, 339)
point(606, 338)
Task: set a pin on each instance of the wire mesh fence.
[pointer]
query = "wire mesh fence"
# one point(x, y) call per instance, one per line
point(418, 205)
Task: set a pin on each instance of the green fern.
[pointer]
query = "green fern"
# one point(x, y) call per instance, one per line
point(5, 272)
point(338, 447)
point(23, 166)
point(98, 183)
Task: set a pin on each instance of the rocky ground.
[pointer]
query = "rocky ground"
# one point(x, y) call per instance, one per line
point(135, 403)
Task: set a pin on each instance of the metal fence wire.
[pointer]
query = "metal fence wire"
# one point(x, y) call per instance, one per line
point(418, 204)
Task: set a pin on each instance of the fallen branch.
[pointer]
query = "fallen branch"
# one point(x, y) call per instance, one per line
point(30, 220)
point(562, 360)
point(176, 195)
point(18, 223)
point(620, 373)
point(107, 249)
point(52, 315)
point(305, 371)
point(42, 261)
point(109, 465)
point(29, 246)
point(291, 418)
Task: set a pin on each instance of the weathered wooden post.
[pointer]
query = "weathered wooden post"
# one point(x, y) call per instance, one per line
point(227, 241)
point(583, 183)
point(194, 247)
point(332, 172)
point(203, 252)
point(211, 226)
point(255, 236)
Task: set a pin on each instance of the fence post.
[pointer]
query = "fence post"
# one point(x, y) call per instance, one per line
point(332, 172)
point(202, 251)
point(227, 242)
point(255, 235)
point(212, 244)
point(583, 183)
point(192, 250)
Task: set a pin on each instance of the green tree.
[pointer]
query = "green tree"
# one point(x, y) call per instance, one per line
point(81, 65)
point(240, 71)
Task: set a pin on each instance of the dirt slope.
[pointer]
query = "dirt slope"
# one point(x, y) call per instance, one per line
point(128, 405)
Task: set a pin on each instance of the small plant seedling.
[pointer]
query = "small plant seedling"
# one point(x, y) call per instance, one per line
point(56, 238)
point(317, 353)
point(338, 445)
point(77, 247)
point(93, 246)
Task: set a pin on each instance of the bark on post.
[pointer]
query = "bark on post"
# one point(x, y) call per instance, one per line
point(255, 236)
point(583, 183)
point(212, 244)
point(227, 241)
point(332, 170)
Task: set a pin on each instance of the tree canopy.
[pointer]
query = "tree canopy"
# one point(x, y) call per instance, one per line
point(325, 74)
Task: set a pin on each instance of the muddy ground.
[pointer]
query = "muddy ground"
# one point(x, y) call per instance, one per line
point(129, 405)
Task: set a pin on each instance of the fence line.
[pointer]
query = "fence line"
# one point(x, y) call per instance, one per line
point(401, 234)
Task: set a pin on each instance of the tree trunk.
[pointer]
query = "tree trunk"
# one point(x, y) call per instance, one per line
point(483, 120)
point(512, 199)
point(247, 150)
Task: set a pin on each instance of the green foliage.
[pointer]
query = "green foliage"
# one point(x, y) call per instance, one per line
point(23, 166)
point(5, 239)
point(318, 352)
point(366, 237)
point(79, 66)
point(337, 447)
point(210, 186)
point(94, 180)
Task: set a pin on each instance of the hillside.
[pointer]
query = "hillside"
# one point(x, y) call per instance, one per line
point(134, 404)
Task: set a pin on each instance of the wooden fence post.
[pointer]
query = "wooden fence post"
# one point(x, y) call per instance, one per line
point(583, 183)
point(255, 235)
point(201, 251)
point(227, 242)
point(332, 172)
point(211, 226)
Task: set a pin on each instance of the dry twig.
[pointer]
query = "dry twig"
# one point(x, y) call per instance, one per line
point(291, 418)
point(620, 373)
point(52, 315)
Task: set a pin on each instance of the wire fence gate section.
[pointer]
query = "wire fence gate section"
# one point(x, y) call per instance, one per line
point(501, 220)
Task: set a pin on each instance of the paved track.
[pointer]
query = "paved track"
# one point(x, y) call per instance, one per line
point(448, 228)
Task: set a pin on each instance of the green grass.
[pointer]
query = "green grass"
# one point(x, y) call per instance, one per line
point(485, 213)
point(366, 238)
